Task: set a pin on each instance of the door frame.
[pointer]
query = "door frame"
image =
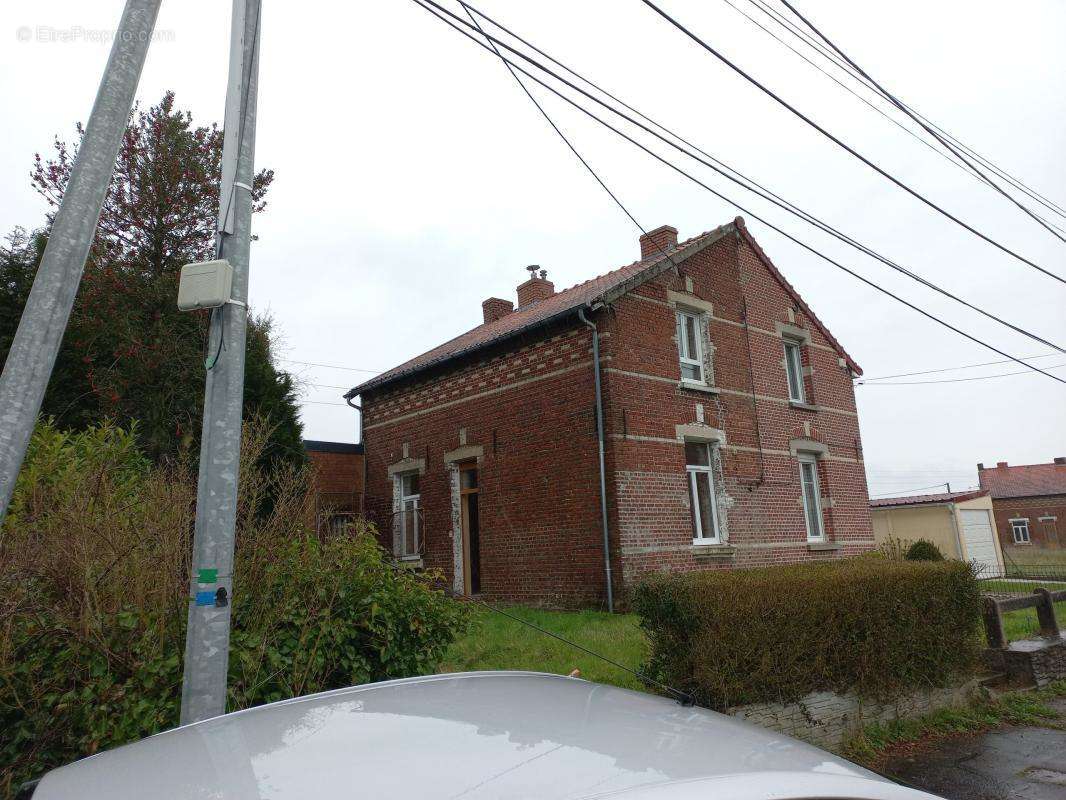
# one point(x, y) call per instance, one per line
point(465, 495)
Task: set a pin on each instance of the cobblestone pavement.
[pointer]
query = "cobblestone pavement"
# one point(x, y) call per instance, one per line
point(1026, 763)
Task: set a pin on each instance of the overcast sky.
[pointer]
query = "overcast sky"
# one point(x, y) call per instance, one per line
point(414, 180)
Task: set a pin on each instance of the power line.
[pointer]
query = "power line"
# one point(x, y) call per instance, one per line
point(957, 380)
point(821, 49)
point(425, 5)
point(549, 120)
point(849, 90)
point(715, 164)
point(905, 492)
point(785, 104)
point(950, 369)
point(330, 366)
point(947, 145)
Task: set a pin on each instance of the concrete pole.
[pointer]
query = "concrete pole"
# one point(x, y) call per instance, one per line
point(44, 320)
point(211, 583)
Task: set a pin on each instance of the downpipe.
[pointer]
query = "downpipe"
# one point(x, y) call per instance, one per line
point(603, 469)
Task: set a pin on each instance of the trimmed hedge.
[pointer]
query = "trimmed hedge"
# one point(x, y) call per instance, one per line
point(872, 626)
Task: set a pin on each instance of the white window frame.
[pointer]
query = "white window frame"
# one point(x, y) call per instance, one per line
point(689, 360)
point(1024, 526)
point(692, 472)
point(794, 371)
point(812, 462)
point(416, 504)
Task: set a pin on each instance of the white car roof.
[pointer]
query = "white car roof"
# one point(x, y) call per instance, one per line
point(467, 735)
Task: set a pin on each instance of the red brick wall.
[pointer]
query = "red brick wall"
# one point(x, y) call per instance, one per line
point(337, 472)
point(763, 510)
point(531, 411)
point(1046, 534)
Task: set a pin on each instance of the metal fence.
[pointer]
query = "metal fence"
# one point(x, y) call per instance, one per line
point(1017, 581)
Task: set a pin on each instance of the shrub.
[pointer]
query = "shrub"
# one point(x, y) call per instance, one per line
point(924, 550)
point(872, 626)
point(94, 570)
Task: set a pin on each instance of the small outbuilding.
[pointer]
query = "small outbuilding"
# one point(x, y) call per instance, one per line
point(961, 524)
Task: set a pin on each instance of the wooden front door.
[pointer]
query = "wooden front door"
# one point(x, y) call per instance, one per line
point(468, 499)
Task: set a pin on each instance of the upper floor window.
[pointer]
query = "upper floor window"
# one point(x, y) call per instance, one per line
point(812, 501)
point(1020, 529)
point(410, 515)
point(690, 346)
point(794, 371)
point(698, 466)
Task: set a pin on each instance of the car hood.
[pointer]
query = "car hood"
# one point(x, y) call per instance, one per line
point(470, 735)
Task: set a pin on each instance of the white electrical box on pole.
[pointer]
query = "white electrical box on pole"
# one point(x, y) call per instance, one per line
point(44, 319)
point(203, 692)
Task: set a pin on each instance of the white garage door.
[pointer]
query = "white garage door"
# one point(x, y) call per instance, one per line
point(979, 540)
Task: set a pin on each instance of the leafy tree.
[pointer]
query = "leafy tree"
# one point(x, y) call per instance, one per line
point(129, 354)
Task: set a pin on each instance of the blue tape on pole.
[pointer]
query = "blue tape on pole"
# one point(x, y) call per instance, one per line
point(205, 598)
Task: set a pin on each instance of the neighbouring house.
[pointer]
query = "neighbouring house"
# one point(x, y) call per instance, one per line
point(1029, 503)
point(337, 475)
point(729, 431)
point(960, 524)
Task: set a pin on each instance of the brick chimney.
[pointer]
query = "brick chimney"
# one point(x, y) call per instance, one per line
point(494, 308)
point(1001, 465)
point(980, 467)
point(537, 288)
point(654, 243)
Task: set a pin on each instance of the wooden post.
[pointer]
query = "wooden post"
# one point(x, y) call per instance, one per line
point(997, 639)
point(1045, 613)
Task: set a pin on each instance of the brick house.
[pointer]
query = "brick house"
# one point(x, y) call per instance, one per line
point(729, 431)
point(1029, 504)
point(337, 480)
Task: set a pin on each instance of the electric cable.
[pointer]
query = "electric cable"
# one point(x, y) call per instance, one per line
point(849, 90)
point(947, 145)
point(425, 4)
point(799, 114)
point(718, 166)
point(864, 379)
point(956, 380)
point(819, 48)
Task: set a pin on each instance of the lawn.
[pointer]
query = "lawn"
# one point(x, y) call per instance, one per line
point(496, 642)
point(1022, 624)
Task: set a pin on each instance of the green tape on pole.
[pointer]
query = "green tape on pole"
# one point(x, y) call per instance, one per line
point(207, 575)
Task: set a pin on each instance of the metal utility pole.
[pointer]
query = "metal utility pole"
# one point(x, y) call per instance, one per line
point(44, 320)
point(211, 583)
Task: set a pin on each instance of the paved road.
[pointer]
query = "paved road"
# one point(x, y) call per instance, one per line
point(1024, 763)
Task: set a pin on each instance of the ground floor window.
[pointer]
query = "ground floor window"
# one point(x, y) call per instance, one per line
point(410, 516)
point(700, 471)
point(1020, 529)
point(812, 502)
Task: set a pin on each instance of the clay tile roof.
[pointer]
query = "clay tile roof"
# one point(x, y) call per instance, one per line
point(1026, 480)
point(920, 499)
point(599, 289)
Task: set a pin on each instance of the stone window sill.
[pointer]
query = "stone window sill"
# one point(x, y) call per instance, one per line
point(713, 550)
point(820, 547)
point(412, 562)
point(698, 387)
point(803, 406)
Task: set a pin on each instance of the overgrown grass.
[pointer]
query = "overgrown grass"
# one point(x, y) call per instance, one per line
point(1014, 708)
point(496, 642)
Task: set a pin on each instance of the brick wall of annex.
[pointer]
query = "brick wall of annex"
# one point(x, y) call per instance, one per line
point(337, 472)
point(1042, 534)
point(650, 513)
point(531, 410)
